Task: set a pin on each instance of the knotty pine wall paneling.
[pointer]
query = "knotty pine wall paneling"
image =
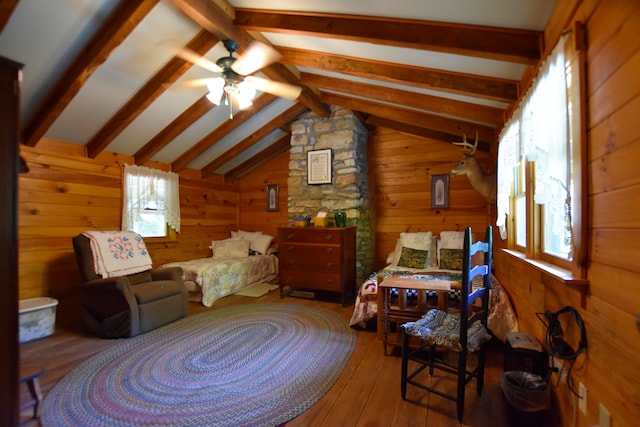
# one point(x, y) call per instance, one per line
point(66, 193)
point(253, 196)
point(401, 167)
point(609, 306)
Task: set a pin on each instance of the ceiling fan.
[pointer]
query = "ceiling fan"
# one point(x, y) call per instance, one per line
point(233, 85)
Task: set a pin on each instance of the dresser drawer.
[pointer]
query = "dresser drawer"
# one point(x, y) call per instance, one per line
point(303, 279)
point(313, 235)
point(306, 261)
point(317, 258)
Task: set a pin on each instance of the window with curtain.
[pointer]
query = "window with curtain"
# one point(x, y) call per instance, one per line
point(151, 201)
point(539, 164)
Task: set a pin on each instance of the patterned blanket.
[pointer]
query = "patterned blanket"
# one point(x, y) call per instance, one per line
point(219, 277)
point(502, 318)
point(118, 253)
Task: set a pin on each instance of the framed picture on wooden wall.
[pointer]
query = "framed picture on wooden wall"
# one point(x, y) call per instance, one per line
point(272, 198)
point(440, 192)
point(319, 167)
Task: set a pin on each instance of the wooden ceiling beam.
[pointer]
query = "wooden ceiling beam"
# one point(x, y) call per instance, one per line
point(467, 84)
point(281, 145)
point(188, 117)
point(218, 133)
point(283, 119)
point(504, 44)
point(398, 113)
point(6, 10)
point(466, 110)
point(122, 21)
point(218, 20)
point(152, 89)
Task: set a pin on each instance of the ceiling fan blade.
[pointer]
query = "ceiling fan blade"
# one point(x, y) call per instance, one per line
point(257, 56)
point(187, 84)
point(284, 90)
point(189, 55)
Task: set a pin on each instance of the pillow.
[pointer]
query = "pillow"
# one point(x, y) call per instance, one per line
point(451, 259)
point(261, 243)
point(421, 240)
point(414, 258)
point(230, 248)
point(449, 240)
point(452, 239)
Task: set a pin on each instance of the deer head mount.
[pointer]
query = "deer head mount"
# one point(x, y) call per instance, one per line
point(482, 182)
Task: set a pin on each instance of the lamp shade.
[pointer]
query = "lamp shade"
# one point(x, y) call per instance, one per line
point(216, 88)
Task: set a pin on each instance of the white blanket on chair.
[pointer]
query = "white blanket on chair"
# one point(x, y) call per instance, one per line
point(118, 253)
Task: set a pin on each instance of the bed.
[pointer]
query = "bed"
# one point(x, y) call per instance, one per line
point(243, 260)
point(422, 255)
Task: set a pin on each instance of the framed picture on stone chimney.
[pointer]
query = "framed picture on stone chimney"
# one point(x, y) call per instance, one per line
point(440, 192)
point(319, 167)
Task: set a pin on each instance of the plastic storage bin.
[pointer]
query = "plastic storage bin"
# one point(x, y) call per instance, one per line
point(37, 318)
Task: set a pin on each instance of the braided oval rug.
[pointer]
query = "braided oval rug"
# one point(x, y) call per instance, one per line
point(250, 365)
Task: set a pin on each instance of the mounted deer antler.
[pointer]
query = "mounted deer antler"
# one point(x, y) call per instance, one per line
point(484, 183)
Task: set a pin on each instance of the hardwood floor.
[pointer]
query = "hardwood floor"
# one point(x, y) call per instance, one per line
point(366, 394)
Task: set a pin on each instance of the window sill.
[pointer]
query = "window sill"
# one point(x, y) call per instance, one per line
point(551, 271)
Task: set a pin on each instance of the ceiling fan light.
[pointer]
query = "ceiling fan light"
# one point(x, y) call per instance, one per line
point(216, 88)
point(247, 90)
point(244, 103)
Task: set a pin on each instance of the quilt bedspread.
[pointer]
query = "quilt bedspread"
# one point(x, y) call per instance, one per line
point(219, 277)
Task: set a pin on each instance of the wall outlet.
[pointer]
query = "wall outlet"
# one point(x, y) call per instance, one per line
point(605, 417)
point(582, 391)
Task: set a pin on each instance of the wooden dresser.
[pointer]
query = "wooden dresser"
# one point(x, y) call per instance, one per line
point(322, 259)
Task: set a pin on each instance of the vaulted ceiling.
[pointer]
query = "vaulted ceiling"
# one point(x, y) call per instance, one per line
point(96, 74)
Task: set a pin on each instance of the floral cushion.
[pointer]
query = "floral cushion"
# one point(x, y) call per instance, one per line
point(441, 328)
point(451, 259)
point(414, 258)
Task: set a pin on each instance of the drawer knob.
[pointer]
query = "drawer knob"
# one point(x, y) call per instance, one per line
point(329, 264)
point(329, 250)
point(329, 236)
point(289, 236)
point(290, 248)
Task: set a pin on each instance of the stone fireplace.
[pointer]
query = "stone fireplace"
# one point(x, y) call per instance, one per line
point(343, 133)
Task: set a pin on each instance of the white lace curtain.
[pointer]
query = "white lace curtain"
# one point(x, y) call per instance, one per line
point(146, 188)
point(539, 132)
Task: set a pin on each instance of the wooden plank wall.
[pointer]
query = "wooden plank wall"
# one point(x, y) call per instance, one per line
point(609, 306)
point(65, 193)
point(400, 169)
point(253, 215)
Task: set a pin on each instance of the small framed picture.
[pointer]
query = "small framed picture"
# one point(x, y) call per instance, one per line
point(319, 167)
point(272, 198)
point(440, 192)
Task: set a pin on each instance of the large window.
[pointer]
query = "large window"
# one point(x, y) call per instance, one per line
point(540, 166)
point(151, 201)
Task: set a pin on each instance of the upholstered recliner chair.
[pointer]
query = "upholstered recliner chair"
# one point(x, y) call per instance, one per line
point(128, 305)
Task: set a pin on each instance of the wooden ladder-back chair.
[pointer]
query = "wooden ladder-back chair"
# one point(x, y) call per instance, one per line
point(463, 334)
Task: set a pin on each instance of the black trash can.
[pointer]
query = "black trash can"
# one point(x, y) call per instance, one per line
point(527, 396)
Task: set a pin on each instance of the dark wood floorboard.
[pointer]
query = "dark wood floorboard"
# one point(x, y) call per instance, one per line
point(366, 394)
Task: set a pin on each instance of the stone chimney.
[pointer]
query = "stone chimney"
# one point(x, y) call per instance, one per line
point(343, 133)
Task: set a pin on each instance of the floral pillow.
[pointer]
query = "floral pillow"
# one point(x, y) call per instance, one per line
point(414, 258)
point(451, 259)
point(416, 240)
